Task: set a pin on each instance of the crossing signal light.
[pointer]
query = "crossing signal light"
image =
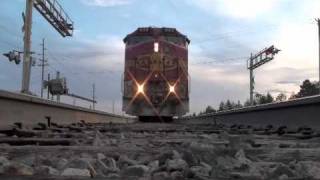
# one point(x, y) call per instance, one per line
point(13, 56)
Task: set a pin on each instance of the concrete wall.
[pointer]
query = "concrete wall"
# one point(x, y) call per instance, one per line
point(29, 110)
point(294, 113)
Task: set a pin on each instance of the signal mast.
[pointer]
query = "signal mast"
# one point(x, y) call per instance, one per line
point(258, 60)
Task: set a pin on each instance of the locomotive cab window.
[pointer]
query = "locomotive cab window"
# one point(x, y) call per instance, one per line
point(138, 39)
point(176, 40)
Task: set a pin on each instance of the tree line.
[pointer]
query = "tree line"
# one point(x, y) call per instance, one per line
point(307, 88)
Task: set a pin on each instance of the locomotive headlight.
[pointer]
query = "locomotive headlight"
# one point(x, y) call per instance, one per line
point(141, 88)
point(156, 47)
point(171, 89)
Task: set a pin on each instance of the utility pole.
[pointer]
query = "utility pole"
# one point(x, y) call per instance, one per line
point(251, 80)
point(318, 21)
point(58, 77)
point(93, 96)
point(112, 106)
point(48, 93)
point(27, 48)
point(42, 67)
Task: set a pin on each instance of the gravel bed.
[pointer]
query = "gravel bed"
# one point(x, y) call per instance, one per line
point(156, 151)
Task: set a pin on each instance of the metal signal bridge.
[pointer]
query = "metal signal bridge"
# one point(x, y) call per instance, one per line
point(52, 11)
point(258, 60)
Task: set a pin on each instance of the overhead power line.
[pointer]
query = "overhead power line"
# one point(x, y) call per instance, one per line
point(221, 60)
point(8, 31)
point(9, 44)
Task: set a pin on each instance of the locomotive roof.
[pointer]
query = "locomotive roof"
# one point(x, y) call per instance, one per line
point(155, 31)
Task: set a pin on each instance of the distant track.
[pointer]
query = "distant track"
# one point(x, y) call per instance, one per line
point(304, 112)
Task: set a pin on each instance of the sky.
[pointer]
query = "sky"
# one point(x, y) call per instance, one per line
point(223, 34)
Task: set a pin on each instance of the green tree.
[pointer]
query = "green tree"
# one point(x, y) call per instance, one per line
point(308, 89)
point(269, 98)
point(281, 97)
point(258, 98)
point(221, 106)
point(293, 96)
point(210, 109)
point(263, 99)
point(238, 105)
point(247, 103)
point(228, 105)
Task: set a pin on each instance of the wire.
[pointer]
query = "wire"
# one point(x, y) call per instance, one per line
point(82, 72)
point(74, 75)
point(231, 34)
point(215, 60)
point(10, 44)
point(243, 31)
point(4, 28)
point(57, 61)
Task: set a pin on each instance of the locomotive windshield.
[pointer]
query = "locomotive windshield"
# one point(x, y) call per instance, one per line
point(176, 40)
point(139, 39)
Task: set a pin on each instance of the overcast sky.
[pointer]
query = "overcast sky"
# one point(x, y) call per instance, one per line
point(223, 33)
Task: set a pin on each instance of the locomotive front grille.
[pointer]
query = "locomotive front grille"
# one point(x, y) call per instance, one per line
point(156, 92)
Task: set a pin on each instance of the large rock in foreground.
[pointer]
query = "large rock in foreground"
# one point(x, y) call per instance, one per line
point(136, 170)
point(73, 172)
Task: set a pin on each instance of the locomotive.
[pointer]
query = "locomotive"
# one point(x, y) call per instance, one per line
point(156, 80)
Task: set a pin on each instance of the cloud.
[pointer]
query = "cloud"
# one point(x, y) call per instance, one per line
point(298, 42)
point(243, 9)
point(278, 91)
point(282, 79)
point(106, 3)
point(230, 31)
point(285, 82)
point(84, 61)
point(97, 53)
point(215, 83)
point(297, 60)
